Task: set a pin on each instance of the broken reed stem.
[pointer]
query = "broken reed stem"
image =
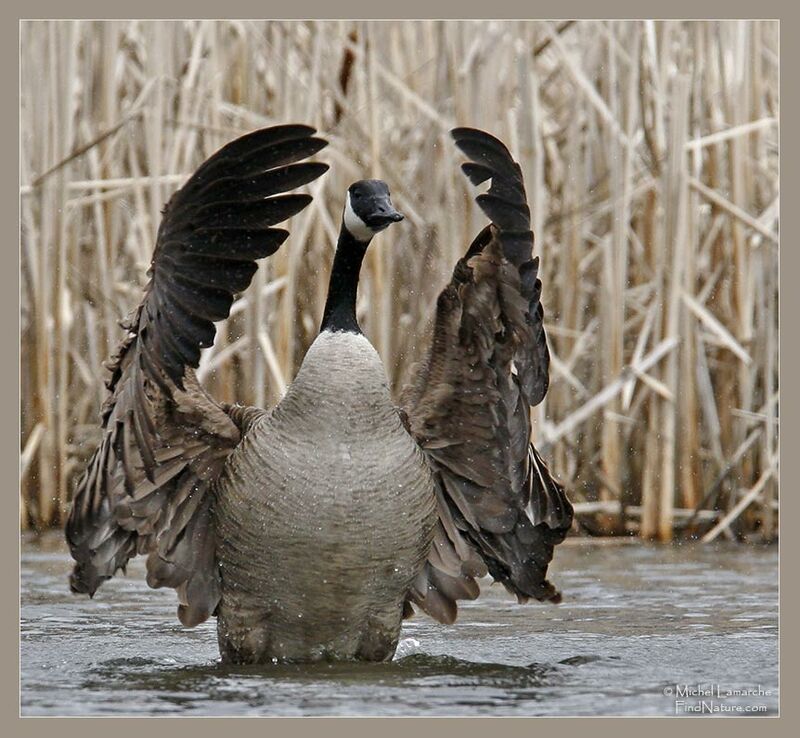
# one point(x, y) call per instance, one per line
point(650, 151)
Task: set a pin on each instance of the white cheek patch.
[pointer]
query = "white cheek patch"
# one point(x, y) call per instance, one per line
point(357, 227)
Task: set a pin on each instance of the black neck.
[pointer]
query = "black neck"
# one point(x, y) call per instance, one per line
point(340, 308)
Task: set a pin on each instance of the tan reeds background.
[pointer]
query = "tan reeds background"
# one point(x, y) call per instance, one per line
point(651, 156)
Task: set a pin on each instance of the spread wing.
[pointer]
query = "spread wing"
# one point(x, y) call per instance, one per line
point(468, 405)
point(146, 488)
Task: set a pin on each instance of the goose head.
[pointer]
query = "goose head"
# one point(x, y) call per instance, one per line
point(368, 209)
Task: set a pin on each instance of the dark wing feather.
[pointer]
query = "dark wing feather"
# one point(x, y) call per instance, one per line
point(468, 405)
point(146, 489)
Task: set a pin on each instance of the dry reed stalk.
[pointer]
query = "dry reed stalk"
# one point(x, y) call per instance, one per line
point(650, 155)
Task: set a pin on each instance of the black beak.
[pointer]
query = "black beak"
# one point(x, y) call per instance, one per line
point(383, 215)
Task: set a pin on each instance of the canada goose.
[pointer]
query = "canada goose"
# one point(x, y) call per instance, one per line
point(312, 529)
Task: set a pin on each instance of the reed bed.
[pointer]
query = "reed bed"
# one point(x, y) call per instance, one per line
point(650, 150)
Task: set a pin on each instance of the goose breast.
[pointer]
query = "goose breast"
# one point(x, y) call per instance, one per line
point(324, 514)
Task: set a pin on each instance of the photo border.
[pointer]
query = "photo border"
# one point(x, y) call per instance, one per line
point(9, 363)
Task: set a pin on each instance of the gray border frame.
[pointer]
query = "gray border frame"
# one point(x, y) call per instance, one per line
point(9, 362)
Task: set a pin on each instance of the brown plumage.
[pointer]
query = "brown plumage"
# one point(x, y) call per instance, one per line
point(468, 405)
point(204, 489)
point(165, 441)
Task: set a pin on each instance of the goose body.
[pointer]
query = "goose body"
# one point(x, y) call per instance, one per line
point(325, 516)
point(312, 529)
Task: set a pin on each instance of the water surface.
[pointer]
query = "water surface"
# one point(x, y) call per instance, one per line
point(637, 623)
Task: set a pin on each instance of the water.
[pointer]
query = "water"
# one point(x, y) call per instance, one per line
point(636, 623)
